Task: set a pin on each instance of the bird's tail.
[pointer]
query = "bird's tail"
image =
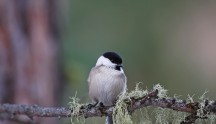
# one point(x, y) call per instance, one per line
point(109, 119)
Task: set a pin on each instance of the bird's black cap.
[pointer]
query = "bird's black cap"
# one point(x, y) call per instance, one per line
point(113, 57)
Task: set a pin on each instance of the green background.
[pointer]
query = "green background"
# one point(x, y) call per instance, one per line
point(168, 42)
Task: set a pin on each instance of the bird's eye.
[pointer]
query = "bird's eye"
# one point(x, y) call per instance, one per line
point(112, 60)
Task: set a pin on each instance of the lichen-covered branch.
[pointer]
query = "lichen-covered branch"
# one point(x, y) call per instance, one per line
point(150, 99)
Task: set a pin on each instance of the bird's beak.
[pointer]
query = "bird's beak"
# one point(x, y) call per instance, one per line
point(119, 65)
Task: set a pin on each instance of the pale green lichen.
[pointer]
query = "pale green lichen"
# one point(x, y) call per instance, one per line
point(211, 119)
point(200, 111)
point(203, 97)
point(75, 106)
point(168, 116)
point(142, 116)
point(162, 93)
point(137, 92)
point(161, 116)
point(147, 115)
point(176, 96)
point(177, 117)
point(120, 113)
point(190, 99)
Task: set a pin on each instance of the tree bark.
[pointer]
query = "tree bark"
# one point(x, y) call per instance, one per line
point(28, 53)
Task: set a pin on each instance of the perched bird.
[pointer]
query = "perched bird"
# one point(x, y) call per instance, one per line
point(107, 81)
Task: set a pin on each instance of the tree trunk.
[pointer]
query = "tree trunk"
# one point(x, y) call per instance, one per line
point(28, 53)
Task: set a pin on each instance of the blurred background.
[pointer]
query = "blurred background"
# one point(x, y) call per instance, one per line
point(47, 48)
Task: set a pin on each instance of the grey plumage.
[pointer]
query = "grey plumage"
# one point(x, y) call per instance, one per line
point(106, 81)
point(105, 84)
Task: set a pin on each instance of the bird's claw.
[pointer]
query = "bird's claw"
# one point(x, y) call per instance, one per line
point(90, 105)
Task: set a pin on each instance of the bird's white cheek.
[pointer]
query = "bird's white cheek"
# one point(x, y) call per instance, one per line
point(108, 63)
point(104, 61)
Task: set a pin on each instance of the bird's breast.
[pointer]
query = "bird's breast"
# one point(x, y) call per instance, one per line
point(106, 84)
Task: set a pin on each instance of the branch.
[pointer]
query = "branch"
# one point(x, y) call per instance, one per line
point(151, 99)
point(35, 110)
point(12, 118)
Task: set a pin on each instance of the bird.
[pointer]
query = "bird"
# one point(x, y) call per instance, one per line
point(107, 81)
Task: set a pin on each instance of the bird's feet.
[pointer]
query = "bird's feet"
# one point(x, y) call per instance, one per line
point(101, 105)
point(90, 105)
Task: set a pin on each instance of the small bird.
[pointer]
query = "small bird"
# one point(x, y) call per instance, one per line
point(107, 81)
